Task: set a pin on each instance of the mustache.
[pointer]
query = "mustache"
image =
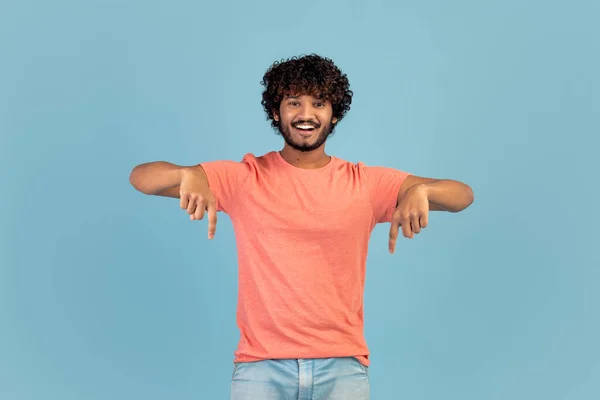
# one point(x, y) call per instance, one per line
point(315, 124)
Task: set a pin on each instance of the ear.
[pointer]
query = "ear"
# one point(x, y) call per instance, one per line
point(275, 116)
point(334, 120)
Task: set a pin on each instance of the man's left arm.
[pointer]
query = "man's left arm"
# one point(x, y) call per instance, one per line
point(442, 194)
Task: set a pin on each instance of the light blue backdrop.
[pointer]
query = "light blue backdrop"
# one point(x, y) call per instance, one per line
point(107, 294)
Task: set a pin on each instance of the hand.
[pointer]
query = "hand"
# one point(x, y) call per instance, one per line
point(196, 197)
point(411, 214)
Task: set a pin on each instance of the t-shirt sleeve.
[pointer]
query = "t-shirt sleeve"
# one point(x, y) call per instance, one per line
point(225, 179)
point(384, 185)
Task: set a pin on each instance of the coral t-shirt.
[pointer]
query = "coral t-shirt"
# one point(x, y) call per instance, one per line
point(302, 238)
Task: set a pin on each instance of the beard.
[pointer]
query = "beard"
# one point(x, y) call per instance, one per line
point(326, 131)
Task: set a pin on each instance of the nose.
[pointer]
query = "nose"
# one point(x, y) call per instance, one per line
point(307, 112)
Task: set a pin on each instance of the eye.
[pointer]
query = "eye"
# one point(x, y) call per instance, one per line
point(319, 104)
point(293, 103)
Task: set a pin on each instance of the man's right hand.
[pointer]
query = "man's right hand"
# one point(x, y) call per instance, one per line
point(196, 197)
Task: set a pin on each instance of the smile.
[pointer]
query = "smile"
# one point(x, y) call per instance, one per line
point(305, 128)
point(305, 132)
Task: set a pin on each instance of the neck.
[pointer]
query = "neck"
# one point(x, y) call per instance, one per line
point(305, 159)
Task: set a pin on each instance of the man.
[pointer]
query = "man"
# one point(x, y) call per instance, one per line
point(302, 221)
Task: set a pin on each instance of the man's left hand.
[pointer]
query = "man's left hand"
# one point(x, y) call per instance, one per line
point(411, 214)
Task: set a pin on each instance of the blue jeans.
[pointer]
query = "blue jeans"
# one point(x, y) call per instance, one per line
point(301, 379)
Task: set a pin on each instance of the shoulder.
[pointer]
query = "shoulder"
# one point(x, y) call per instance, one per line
point(254, 162)
point(374, 174)
point(248, 163)
point(358, 168)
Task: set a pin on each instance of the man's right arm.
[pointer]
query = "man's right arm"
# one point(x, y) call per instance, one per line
point(189, 184)
point(160, 178)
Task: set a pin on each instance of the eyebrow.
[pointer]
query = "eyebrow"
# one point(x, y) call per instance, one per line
point(297, 97)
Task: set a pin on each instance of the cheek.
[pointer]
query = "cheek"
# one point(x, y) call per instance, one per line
point(282, 114)
point(326, 114)
point(286, 118)
point(326, 117)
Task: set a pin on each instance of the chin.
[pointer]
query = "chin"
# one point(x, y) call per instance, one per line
point(304, 143)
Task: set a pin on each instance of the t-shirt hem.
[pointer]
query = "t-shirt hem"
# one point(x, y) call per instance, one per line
point(364, 360)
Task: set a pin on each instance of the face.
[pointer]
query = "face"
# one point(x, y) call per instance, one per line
point(305, 122)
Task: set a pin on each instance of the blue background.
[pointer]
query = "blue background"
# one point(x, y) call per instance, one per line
point(106, 293)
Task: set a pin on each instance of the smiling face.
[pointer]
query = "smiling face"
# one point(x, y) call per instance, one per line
point(305, 121)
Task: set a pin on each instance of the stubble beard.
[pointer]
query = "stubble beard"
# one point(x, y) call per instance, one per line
point(326, 130)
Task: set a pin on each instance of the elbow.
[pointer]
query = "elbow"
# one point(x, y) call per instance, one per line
point(469, 197)
point(136, 181)
point(464, 200)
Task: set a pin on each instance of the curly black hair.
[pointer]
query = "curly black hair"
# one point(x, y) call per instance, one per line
point(311, 75)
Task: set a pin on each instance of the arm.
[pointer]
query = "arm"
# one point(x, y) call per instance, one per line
point(443, 194)
point(186, 183)
point(159, 178)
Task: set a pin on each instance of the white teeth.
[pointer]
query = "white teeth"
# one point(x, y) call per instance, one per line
point(304, 127)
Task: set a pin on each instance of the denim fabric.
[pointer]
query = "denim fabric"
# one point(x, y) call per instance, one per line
point(342, 378)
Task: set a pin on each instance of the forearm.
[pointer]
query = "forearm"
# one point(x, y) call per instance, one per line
point(449, 195)
point(155, 177)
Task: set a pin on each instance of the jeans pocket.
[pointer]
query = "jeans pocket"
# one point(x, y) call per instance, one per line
point(235, 369)
point(364, 368)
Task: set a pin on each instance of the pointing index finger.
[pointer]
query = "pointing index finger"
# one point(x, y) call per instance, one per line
point(393, 236)
point(212, 220)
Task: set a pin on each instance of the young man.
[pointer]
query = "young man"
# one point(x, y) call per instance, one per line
point(302, 221)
